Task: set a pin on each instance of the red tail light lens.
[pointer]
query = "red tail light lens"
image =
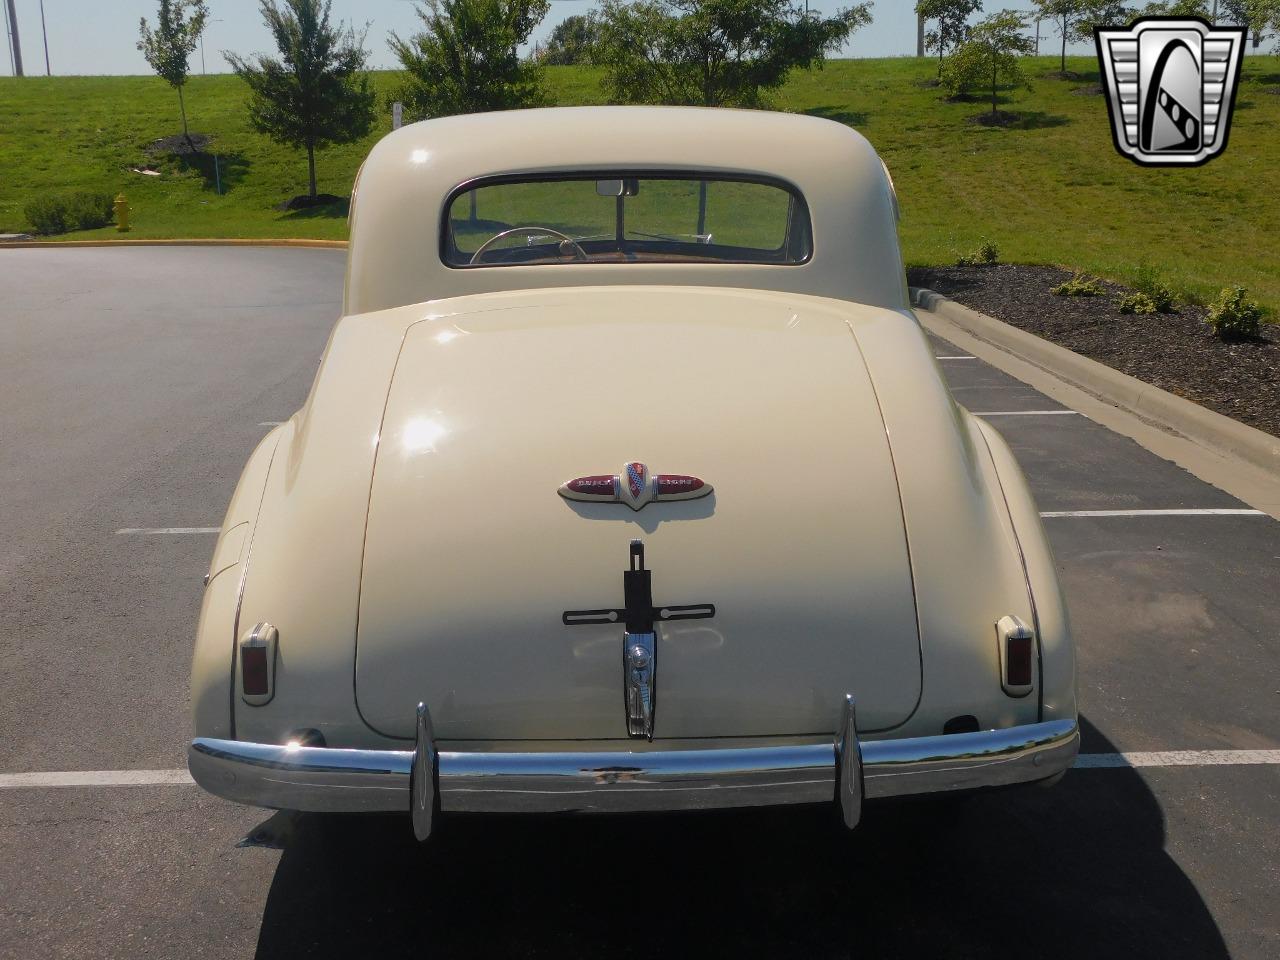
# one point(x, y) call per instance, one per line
point(1018, 661)
point(258, 664)
point(253, 662)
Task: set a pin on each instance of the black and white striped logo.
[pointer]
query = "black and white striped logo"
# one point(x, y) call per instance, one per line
point(1170, 84)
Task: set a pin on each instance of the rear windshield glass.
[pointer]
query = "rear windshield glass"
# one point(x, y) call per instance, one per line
point(605, 218)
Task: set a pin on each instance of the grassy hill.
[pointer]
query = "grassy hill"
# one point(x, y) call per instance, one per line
point(1050, 189)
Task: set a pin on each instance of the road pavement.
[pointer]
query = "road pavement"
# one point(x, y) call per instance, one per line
point(133, 384)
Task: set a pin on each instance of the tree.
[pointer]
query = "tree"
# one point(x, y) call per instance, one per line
point(571, 41)
point(993, 53)
point(713, 52)
point(1237, 13)
point(1254, 15)
point(467, 58)
point(179, 24)
point(317, 93)
point(1177, 8)
point(1099, 14)
point(952, 28)
point(1065, 15)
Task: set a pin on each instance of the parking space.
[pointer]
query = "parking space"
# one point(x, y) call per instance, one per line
point(135, 382)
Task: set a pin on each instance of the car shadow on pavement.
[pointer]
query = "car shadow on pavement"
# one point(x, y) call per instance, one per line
point(1078, 870)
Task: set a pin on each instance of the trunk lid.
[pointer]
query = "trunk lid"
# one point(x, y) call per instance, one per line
point(471, 557)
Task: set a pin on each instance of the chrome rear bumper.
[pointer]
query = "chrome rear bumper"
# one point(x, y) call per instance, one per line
point(423, 780)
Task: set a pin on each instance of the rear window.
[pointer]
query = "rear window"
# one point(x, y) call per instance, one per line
point(622, 218)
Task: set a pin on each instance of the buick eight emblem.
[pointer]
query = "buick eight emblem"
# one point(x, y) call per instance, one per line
point(635, 486)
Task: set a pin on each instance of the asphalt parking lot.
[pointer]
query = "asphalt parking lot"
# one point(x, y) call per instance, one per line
point(133, 384)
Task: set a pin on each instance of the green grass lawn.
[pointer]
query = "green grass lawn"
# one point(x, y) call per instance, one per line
point(1051, 189)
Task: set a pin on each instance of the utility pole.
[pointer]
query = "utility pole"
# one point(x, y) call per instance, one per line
point(13, 37)
point(7, 38)
point(919, 34)
point(207, 22)
point(45, 33)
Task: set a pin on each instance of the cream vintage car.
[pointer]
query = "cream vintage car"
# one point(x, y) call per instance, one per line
point(628, 481)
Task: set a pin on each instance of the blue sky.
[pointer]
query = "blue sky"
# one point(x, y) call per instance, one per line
point(98, 36)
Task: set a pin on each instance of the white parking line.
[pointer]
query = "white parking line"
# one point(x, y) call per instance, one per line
point(955, 358)
point(98, 778)
point(149, 531)
point(1178, 758)
point(1086, 761)
point(1230, 512)
point(1025, 413)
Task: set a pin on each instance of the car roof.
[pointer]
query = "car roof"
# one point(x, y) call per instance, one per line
point(401, 191)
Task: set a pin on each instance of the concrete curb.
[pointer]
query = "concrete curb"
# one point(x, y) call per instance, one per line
point(203, 242)
point(1221, 434)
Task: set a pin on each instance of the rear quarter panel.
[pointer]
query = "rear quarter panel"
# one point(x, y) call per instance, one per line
point(211, 660)
point(966, 566)
point(1057, 651)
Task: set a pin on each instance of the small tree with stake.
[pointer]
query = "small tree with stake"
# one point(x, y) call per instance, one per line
point(993, 53)
point(317, 93)
point(952, 23)
point(179, 24)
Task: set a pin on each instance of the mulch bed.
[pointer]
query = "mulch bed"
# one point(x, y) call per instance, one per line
point(1175, 352)
point(1003, 118)
point(306, 201)
point(179, 144)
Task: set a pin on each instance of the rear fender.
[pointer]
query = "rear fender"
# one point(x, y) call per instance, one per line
point(215, 636)
point(1057, 653)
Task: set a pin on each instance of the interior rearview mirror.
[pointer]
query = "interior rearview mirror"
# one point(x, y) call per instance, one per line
point(624, 187)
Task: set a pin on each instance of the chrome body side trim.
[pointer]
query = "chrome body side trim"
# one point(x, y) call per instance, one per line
point(327, 779)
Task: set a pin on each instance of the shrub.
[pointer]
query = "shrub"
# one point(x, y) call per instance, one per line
point(1234, 316)
point(1081, 285)
point(1136, 303)
point(1162, 298)
point(88, 210)
point(987, 253)
point(1160, 294)
point(963, 72)
point(79, 211)
point(48, 215)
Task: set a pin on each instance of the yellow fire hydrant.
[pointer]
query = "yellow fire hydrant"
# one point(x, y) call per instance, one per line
point(122, 213)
